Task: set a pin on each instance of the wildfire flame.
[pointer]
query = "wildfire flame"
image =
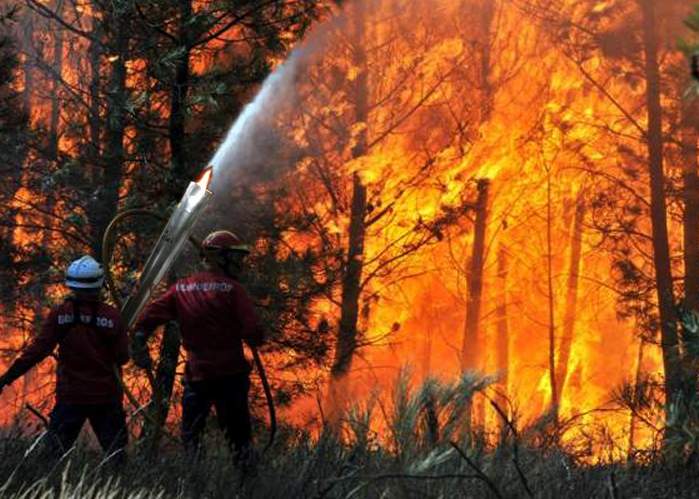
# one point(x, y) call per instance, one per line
point(524, 140)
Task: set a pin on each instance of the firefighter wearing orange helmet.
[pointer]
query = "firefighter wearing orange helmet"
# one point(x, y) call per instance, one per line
point(216, 316)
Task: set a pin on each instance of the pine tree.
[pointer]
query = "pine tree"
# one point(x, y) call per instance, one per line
point(13, 122)
point(13, 142)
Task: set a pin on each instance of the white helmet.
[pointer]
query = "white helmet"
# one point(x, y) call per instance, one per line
point(85, 273)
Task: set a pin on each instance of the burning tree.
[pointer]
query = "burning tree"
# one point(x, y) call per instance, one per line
point(626, 52)
point(375, 134)
point(387, 214)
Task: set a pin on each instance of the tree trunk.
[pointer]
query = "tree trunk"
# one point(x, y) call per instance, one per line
point(551, 298)
point(502, 344)
point(105, 207)
point(164, 383)
point(566, 341)
point(637, 396)
point(27, 67)
point(472, 340)
point(351, 282)
point(94, 120)
point(178, 102)
point(55, 98)
point(487, 11)
point(661, 248)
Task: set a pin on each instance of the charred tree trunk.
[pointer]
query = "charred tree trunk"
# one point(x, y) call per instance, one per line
point(636, 398)
point(55, 100)
point(486, 59)
point(566, 341)
point(472, 340)
point(106, 205)
point(661, 247)
point(346, 344)
point(351, 282)
point(92, 151)
point(164, 383)
point(551, 299)
point(478, 33)
point(178, 101)
point(502, 345)
point(27, 67)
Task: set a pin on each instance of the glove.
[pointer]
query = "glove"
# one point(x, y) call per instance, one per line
point(139, 351)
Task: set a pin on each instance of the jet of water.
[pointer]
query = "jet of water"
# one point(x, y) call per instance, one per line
point(240, 144)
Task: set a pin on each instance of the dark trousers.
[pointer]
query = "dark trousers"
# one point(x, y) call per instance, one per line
point(108, 421)
point(229, 396)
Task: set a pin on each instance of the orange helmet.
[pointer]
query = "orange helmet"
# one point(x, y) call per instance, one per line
point(223, 240)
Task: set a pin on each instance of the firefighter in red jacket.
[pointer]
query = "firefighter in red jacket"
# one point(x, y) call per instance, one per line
point(215, 315)
point(91, 343)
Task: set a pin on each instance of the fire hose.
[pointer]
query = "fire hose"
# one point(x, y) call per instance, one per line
point(108, 245)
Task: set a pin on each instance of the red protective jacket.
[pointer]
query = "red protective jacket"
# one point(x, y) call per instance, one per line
point(215, 314)
point(88, 351)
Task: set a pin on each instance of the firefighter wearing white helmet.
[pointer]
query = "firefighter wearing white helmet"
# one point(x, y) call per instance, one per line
point(91, 341)
point(85, 273)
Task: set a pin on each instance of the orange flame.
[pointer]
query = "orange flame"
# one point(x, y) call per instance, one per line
point(425, 314)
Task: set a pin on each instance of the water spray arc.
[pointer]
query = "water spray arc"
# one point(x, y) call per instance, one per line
point(176, 232)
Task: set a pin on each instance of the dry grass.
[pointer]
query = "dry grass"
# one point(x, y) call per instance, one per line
point(428, 454)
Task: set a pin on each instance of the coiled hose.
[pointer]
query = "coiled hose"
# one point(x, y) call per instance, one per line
point(111, 235)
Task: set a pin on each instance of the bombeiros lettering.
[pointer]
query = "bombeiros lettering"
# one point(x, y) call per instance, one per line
point(223, 287)
point(101, 321)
